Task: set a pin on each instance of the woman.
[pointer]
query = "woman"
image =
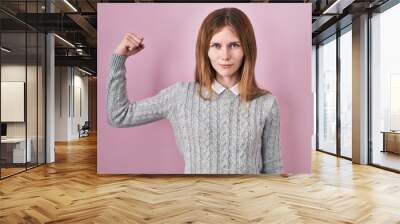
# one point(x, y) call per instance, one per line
point(223, 122)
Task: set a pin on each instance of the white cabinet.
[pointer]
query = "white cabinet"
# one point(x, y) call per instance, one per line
point(17, 146)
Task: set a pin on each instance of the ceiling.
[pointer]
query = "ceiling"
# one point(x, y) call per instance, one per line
point(77, 24)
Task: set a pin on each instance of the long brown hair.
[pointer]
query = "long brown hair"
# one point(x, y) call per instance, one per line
point(205, 73)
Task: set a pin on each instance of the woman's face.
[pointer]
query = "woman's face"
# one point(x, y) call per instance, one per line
point(225, 52)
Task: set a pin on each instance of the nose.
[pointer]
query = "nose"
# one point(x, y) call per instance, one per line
point(225, 54)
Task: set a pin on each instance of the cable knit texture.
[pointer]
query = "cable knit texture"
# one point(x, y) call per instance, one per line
point(217, 136)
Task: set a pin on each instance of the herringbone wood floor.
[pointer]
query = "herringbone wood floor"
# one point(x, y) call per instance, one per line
point(70, 191)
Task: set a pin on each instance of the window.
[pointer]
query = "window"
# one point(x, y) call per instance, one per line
point(385, 88)
point(327, 95)
point(346, 75)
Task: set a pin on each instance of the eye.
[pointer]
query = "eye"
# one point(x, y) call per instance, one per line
point(234, 45)
point(216, 45)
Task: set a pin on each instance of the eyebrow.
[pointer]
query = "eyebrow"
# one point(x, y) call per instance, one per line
point(233, 42)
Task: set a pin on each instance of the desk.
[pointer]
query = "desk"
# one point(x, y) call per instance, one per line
point(15, 148)
point(391, 141)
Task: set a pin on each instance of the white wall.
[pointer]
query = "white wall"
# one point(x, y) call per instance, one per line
point(80, 89)
point(61, 103)
point(70, 83)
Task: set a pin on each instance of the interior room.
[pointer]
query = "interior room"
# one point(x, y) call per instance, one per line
point(50, 108)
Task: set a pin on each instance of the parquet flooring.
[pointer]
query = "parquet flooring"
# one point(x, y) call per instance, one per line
point(10, 171)
point(70, 191)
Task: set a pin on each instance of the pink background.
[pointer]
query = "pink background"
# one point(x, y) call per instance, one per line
point(283, 33)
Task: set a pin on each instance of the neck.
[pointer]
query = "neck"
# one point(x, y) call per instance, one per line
point(229, 81)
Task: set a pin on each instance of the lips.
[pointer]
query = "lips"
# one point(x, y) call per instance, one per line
point(226, 66)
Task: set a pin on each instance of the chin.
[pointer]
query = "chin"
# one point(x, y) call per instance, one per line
point(225, 74)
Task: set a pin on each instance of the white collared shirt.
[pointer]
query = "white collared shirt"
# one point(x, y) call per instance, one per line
point(218, 88)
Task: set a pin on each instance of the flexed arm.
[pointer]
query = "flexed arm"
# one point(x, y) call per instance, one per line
point(120, 111)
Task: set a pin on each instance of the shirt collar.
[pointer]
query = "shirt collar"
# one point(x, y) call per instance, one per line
point(218, 88)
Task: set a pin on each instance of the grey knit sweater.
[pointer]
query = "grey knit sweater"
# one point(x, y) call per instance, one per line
point(221, 136)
